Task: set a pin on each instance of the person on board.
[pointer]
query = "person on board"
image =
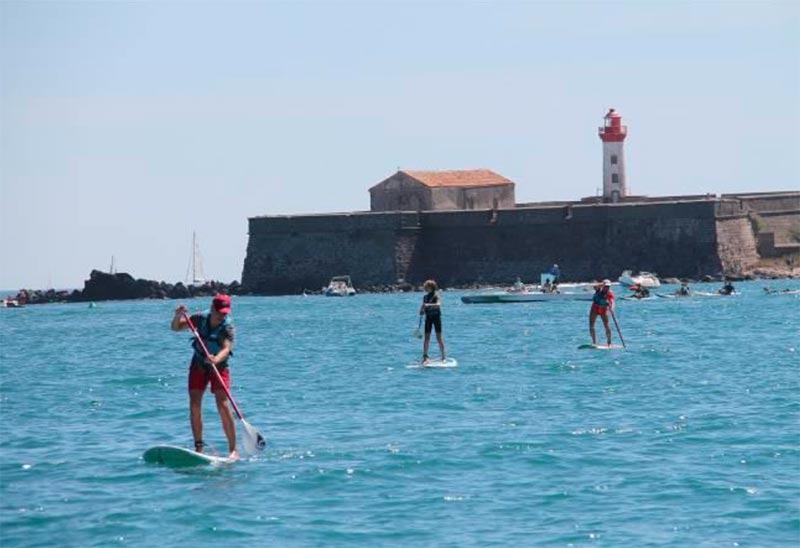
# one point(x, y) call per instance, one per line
point(215, 328)
point(640, 291)
point(602, 302)
point(727, 288)
point(556, 273)
point(432, 309)
point(684, 291)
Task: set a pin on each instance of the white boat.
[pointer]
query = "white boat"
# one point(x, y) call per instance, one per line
point(520, 293)
point(10, 302)
point(339, 286)
point(543, 297)
point(645, 279)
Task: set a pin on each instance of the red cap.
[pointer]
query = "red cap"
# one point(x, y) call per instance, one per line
point(222, 304)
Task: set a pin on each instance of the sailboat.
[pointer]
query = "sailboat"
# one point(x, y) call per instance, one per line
point(195, 267)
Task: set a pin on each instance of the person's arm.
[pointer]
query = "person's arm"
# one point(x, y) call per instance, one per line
point(178, 321)
point(224, 352)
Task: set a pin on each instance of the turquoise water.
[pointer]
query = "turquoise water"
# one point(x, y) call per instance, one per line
point(688, 438)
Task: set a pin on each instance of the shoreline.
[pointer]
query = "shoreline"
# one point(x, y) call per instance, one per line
point(102, 286)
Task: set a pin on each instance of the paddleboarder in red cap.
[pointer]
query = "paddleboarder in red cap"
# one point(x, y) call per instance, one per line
point(602, 302)
point(215, 328)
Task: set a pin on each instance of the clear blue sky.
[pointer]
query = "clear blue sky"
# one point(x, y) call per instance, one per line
point(124, 126)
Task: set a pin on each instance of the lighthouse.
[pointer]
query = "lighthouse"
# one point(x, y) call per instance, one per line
point(613, 135)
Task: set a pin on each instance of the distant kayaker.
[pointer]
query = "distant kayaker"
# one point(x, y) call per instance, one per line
point(432, 309)
point(640, 291)
point(727, 289)
point(602, 303)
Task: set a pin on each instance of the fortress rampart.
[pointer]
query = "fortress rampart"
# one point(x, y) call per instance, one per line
point(678, 237)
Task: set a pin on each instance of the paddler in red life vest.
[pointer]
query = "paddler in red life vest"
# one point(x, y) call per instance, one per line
point(216, 329)
point(602, 302)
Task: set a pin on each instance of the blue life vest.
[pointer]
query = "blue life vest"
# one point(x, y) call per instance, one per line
point(600, 298)
point(211, 337)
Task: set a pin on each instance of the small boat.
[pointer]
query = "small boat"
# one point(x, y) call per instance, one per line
point(339, 286)
point(543, 297)
point(12, 303)
point(547, 291)
point(644, 279)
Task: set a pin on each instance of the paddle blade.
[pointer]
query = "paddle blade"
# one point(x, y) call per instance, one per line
point(253, 440)
point(418, 333)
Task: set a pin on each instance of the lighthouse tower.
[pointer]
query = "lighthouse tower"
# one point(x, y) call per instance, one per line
point(613, 135)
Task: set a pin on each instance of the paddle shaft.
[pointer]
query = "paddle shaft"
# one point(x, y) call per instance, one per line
point(616, 324)
point(213, 367)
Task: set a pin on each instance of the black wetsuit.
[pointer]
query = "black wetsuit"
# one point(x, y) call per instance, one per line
point(433, 314)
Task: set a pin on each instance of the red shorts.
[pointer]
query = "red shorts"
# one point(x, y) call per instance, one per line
point(199, 377)
point(599, 310)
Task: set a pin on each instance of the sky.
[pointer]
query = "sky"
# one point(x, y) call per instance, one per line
point(125, 127)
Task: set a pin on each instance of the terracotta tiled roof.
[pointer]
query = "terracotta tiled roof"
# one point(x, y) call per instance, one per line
point(467, 177)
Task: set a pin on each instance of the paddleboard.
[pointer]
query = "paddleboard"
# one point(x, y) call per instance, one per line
point(180, 457)
point(598, 346)
point(435, 364)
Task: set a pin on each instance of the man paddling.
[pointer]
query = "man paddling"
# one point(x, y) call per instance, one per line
point(602, 302)
point(217, 332)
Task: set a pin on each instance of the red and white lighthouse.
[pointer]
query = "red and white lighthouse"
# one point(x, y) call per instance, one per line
point(613, 135)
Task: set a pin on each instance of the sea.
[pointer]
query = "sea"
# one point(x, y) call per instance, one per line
point(687, 437)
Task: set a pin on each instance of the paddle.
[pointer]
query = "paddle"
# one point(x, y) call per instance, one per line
point(418, 330)
point(616, 324)
point(253, 440)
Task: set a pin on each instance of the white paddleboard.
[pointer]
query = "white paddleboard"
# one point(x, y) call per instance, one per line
point(598, 346)
point(435, 364)
point(180, 457)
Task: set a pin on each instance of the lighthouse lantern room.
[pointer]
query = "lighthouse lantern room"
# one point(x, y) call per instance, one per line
point(613, 135)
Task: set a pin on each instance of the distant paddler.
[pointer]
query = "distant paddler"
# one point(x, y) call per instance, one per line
point(216, 330)
point(432, 310)
point(602, 303)
point(727, 288)
point(684, 290)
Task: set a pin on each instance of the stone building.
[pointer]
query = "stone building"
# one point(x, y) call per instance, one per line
point(442, 190)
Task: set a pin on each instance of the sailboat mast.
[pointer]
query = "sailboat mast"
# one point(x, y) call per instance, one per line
point(195, 264)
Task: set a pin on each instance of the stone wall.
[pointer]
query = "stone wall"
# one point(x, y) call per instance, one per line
point(684, 239)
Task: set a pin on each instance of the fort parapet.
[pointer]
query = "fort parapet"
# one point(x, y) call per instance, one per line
point(681, 237)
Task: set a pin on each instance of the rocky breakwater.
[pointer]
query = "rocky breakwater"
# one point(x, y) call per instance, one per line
point(102, 286)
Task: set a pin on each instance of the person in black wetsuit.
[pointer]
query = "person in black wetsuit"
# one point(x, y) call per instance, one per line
point(432, 309)
point(727, 289)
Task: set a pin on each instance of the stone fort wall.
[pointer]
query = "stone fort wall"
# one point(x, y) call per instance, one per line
point(287, 254)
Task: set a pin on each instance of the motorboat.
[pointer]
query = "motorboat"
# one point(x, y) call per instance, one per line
point(339, 286)
point(11, 303)
point(644, 279)
point(546, 291)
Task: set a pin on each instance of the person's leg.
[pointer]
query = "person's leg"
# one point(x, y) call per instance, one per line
point(196, 418)
point(197, 386)
point(592, 318)
point(439, 336)
point(426, 342)
point(226, 415)
point(607, 326)
point(224, 408)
